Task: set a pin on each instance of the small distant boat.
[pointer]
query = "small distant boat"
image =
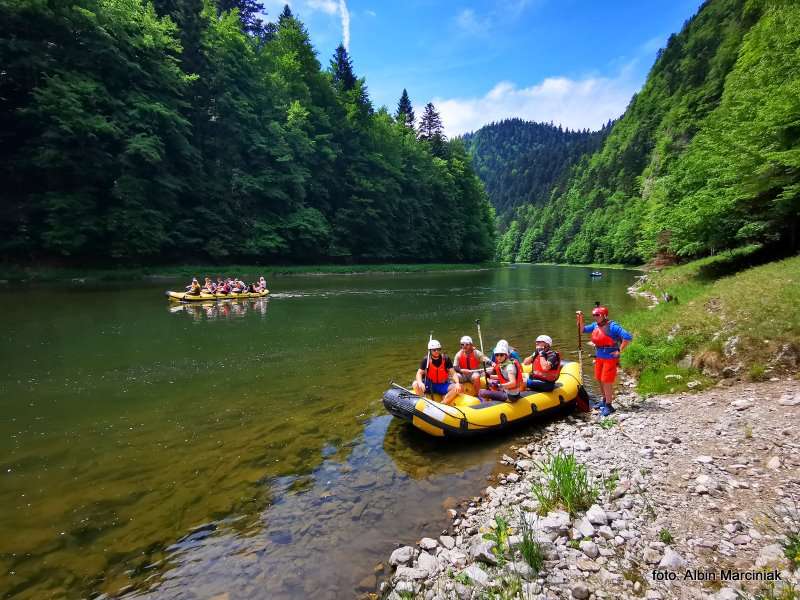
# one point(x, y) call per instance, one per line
point(596, 274)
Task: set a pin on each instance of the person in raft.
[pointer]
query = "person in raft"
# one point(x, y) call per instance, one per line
point(469, 363)
point(507, 382)
point(546, 365)
point(610, 339)
point(194, 288)
point(437, 370)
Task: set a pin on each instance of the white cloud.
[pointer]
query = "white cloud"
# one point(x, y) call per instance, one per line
point(330, 7)
point(370, 13)
point(333, 7)
point(344, 14)
point(469, 22)
point(573, 103)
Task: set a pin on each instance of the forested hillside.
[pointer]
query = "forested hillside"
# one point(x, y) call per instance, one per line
point(706, 156)
point(520, 162)
point(190, 130)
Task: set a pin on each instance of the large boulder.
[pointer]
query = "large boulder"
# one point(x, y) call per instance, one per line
point(402, 556)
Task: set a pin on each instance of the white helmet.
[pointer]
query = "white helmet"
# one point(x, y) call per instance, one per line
point(434, 345)
point(465, 339)
point(501, 348)
point(546, 339)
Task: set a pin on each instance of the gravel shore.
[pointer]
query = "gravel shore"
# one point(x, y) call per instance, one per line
point(696, 492)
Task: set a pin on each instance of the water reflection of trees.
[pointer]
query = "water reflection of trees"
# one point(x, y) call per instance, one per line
point(222, 309)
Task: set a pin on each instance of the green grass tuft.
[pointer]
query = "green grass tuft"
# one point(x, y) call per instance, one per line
point(566, 483)
point(500, 538)
point(610, 482)
point(530, 548)
point(607, 422)
point(665, 536)
point(756, 372)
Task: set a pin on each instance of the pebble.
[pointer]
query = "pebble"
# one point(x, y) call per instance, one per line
point(590, 549)
point(482, 552)
point(596, 515)
point(588, 565)
point(427, 543)
point(584, 528)
point(774, 463)
point(671, 560)
point(402, 556)
point(580, 591)
point(447, 541)
point(476, 574)
point(652, 556)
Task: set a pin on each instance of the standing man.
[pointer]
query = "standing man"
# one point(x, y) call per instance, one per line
point(610, 339)
point(469, 363)
point(546, 365)
point(438, 373)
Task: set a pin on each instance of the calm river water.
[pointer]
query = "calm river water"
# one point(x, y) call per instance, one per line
point(153, 450)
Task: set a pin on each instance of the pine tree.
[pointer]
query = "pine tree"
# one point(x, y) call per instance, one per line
point(286, 14)
point(249, 11)
point(342, 69)
point(432, 131)
point(431, 124)
point(405, 111)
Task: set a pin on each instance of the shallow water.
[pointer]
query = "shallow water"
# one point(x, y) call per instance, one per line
point(167, 451)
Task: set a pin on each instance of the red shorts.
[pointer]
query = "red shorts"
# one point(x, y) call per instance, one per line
point(605, 369)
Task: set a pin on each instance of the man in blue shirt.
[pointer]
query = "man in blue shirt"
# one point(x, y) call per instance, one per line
point(610, 339)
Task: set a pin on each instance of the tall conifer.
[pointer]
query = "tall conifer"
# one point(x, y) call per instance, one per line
point(432, 131)
point(342, 69)
point(405, 111)
point(249, 11)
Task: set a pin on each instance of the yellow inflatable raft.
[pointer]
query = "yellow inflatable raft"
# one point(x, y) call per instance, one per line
point(186, 297)
point(468, 416)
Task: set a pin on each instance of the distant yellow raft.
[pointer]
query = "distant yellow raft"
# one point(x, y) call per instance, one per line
point(469, 416)
point(186, 297)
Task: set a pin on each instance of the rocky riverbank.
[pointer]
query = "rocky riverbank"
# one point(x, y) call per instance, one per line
point(694, 497)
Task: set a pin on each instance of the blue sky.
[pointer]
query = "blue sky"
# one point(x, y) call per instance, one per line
point(573, 62)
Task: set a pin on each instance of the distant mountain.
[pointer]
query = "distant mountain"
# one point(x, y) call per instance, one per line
point(705, 158)
point(520, 162)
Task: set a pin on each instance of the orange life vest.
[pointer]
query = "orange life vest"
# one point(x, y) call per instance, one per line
point(542, 375)
point(601, 337)
point(437, 374)
point(502, 378)
point(468, 361)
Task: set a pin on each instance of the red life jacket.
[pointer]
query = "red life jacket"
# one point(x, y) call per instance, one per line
point(542, 375)
point(437, 374)
point(501, 377)
point(468, 361)
point(601, 336)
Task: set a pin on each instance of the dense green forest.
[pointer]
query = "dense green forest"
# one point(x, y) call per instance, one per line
point(706, 156)
point(183, 130)
point(520, 162)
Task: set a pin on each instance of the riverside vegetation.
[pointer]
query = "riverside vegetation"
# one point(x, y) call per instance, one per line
point(177, 131)
point(705, 158)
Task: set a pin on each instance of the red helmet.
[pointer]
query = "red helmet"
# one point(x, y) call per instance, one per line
point(600, 310)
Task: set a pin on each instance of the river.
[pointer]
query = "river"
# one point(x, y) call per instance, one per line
point(154, 450)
